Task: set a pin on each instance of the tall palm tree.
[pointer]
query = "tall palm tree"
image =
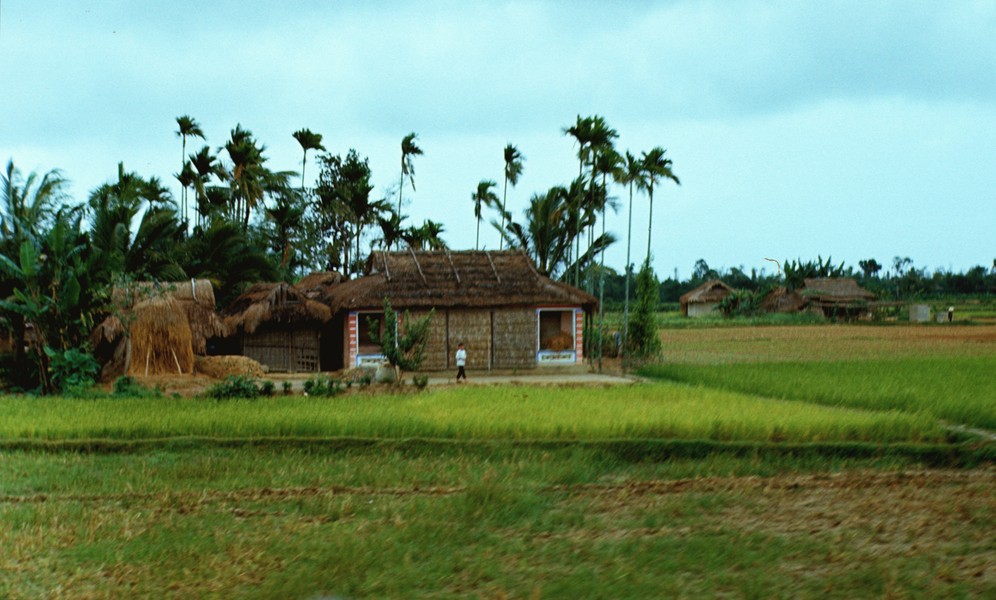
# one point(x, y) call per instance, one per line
point(513, 169)
point(630, 173)
point(250, 179)
point(205, 166)
point(655, 167)
point(26, 206)
point(581, 132)
point(409, 149)
point(187, 126)
point(606, 163)
point(484, 196)
point(545, 234)
point(309, 140)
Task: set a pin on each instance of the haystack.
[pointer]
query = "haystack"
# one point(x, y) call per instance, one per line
point(160, 339)
point(220, 367)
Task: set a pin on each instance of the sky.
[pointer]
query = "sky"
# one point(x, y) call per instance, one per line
point(849, 129)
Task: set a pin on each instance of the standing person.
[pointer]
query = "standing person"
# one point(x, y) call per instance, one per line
point(461, 362)
point(950, 314)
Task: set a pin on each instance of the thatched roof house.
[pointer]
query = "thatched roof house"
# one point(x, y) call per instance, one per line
point(277, 325)
point(836, 296)
point(705, 299)
point(195, 299)
point(781, 300)
point(506, 313)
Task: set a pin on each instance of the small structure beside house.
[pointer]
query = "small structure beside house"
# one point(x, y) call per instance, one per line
point(920, 313)
point(278, 326)
point(175, 319)
point(508, 315)
point(704, 300)
point(837, 297)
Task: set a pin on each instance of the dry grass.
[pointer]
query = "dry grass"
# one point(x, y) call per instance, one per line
point(161, 339)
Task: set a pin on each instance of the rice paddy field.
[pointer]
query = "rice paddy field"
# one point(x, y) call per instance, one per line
point(793, 461)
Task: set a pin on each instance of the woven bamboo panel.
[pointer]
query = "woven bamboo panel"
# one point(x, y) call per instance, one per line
point(515, 338)
point(435, 347)
point(294, 350)
point(473, 328)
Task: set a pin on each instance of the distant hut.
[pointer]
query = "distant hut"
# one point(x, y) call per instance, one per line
point(837, 297)
point(782, 300)
point(704, 300)
point(506, 313)
point(277, 325)
point(194, 299)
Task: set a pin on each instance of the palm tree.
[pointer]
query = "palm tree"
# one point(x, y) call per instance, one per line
point(545, 235)
point(513, 168)
point(408, 150)
point(629, 173)
point(309, 140)
point(27, 205)
point(655, 166)
point(187, 126)
point(250, 179)
point(206, 166)
point(424, 237)
point(581, 132)
point(606, 163)
point(484, 197)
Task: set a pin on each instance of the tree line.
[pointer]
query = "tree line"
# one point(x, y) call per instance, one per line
point(238, 221)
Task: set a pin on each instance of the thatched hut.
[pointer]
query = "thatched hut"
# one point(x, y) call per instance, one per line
point(704, 300)
point(837, 296)
point(781, 300)
point(506, 313)
point(194, 298)
point(277, 325)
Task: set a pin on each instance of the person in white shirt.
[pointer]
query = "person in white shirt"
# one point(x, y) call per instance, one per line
point(461, 362)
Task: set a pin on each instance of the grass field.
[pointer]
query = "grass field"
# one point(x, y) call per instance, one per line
point(773, 461)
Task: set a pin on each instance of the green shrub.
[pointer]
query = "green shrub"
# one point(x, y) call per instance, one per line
point(287, 388)
point(420, 381)
point(73, 371)
point(128, 386)
point(323, 385)
point(234, 387)
point(266, 389)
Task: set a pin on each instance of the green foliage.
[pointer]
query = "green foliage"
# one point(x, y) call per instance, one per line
point(73, 370)
point(742, 303)
point(420, 381)
point(643, 337)
point(266, 388)
point(404, 350)
point(323, 386)
point(234, 386)
point(287, 386)
point(797, 271)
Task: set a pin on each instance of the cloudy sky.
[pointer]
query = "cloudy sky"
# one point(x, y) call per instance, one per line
point(851, 129)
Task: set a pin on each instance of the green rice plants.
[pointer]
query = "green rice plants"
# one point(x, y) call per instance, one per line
point(234, 386)
point(323, 386)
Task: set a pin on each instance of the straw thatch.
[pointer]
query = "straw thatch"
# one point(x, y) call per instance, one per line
point(710, 291)
point(317, 283)
point(195, 298)
point(273, 302)
point(781, 300)
point(444, 279)
point(219, 367)
point(835, 290)
point(160, 339)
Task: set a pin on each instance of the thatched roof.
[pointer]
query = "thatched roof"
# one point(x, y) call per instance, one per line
point(195, 297)
point(277, 302)
point(710, 291)
point(781, 300)
point(835, 290)
point(466, 279)
point(161, 339)
point(317, 283)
